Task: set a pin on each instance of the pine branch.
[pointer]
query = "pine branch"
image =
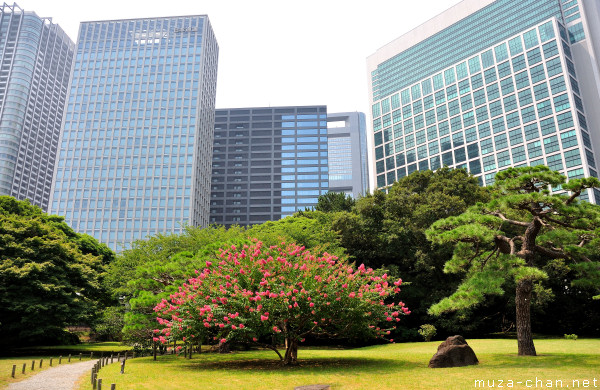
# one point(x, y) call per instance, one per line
point(511, 221)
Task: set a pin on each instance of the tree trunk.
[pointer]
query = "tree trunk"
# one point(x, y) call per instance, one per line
point(523, 304)
point(291, 352)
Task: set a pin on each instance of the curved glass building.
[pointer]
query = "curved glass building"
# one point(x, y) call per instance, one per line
point(35, 64)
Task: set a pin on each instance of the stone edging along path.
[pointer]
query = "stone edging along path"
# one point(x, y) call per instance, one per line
point(55, 378)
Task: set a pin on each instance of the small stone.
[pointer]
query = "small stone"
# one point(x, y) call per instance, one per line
point(454, 352)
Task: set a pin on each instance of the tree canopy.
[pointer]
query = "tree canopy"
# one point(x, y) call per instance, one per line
point(257, 294)
point(512, 239)
point(50, 276)
point(334, 201)
point(388, 230)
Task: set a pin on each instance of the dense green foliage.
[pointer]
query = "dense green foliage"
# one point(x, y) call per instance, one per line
point(150, 271)
point(520, 236)
point(335, 201)
point(50, 276)
point(388, 230)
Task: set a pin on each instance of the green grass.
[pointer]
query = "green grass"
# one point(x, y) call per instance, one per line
point(396, 366)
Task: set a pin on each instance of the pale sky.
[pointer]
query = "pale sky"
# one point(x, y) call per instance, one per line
point(275, 52)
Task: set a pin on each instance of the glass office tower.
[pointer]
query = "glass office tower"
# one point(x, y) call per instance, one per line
point(347, 153)
point(487, 85)
point(136, 147)
point(268, 163)
point(35, 64)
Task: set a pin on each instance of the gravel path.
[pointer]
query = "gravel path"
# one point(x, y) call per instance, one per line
point(56, 378)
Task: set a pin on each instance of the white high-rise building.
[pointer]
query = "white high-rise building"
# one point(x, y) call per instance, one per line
point(490, 84)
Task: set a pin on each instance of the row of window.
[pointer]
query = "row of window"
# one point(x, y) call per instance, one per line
point(458, 158)
point(496, 22)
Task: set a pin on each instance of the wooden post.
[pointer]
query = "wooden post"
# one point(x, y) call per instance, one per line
point(133, 355)
point(101, 362)
point(113, 386)
point(14, 369)
point(69, 358)
point(51, 362)
point(94, 381)
point(41, 360)
point(59, 359)
point(91, 354)
point(32, 365)
point(123, 367)
point(92, 375)
point(99, 387)
point(119, 356)
point(80, 356)
point(24, 367)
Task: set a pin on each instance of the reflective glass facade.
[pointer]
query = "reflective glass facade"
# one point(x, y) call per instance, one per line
point(136, 147)
point(510, 99)
point(35, 60)
point(347, 152)
point(268, 163)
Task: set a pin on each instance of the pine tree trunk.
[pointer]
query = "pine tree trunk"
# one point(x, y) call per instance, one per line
point(523, 304)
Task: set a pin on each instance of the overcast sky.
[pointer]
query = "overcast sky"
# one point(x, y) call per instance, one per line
point(275, 52)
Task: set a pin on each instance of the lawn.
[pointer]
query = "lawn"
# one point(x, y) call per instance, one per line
point(396, 366)
point(6, 364)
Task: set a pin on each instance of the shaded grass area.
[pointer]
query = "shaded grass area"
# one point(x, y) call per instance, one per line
point(84, 347)
point(396, 366)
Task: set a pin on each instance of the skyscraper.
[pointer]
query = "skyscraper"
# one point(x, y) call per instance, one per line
point(136, 147)
point(490, 84)
point(347, 153)
point(268, 163)
point(35, 63)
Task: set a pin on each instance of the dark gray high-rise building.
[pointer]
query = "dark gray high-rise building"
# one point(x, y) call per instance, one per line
point(35, 63)
point(136, 148)
point(268, 163)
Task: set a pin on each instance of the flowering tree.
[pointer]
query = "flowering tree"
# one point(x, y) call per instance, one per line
point(255, 294)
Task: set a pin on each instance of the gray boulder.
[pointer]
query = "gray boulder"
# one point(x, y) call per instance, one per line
point(454, 352)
